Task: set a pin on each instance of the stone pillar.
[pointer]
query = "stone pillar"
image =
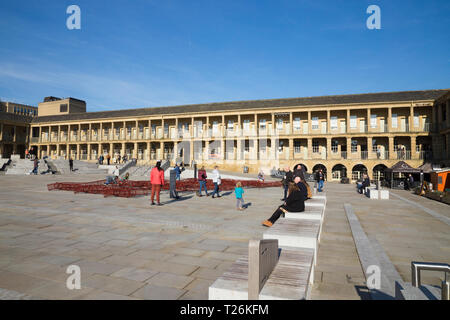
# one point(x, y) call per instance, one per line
point(89, 151)
point(100, 149)
point(57, 150)
point(389, 119)
point(191, 149)
point(309, 141)
point(413, 147)
point(368, 122)
point(273, 126)
point(40, 134)
point(328, 123)
point(111, 151)
point(291, 123)
point(411, 121)
point(148, 150)
point(391, 148)
point(348, 120)
point(328, 147)
point(239, 149)
point(309, 125)
point(137, 129)
point(123, 149)
point(1, 132)
point(223, 127)
point(222, 149)
point(206, 151)
point(78, 151)
point(349, 148)
point(100, 134)
point(79, 132)
point(291, 146)
point(238, 131)
point(135, 150)
point(369, 147)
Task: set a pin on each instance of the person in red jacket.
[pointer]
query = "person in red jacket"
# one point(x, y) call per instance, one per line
point(157, 181)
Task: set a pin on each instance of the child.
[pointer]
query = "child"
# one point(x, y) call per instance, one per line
point(239, 192)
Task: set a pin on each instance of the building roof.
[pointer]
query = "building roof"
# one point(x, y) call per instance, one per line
point(18, 118)
point(254, 104)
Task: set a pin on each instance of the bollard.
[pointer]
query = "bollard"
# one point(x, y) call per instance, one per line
point(445, 293)
point(172, 185)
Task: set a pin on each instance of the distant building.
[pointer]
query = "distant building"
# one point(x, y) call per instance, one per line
point(345, 135)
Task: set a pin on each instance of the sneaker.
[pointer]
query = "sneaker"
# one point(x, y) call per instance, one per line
point(160, 204)
point(212, 197)
point(153, 203)
point(267, 223)
point(219, 196)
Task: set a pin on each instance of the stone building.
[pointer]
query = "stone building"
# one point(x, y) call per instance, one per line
point(342, 134)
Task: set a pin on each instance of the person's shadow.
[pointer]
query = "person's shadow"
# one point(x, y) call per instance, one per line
point(246, 205)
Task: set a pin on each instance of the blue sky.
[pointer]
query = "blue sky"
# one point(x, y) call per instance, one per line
point(145, 53)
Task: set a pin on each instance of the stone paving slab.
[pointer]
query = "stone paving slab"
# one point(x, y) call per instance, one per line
point(119, 241)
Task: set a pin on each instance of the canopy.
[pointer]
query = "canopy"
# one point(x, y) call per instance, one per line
point(402, 166)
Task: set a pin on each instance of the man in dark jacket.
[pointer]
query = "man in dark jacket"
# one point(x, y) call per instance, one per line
point(364, 184)
point(71, 164)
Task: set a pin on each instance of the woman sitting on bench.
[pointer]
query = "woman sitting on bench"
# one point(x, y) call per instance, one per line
point(295, 202)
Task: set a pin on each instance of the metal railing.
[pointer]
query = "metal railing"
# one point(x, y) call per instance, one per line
point(417, 267)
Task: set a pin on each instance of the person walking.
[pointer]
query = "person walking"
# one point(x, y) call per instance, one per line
point(108, 158)
point(100, 159)
point(177, 172)
point(217, 181)
point(71, 164)
point(157, 181)
point(239, 191)
point(320, 179)
point(35, 166)
point(202, 181)
point(295, 202)
point(124, 158)
point(287, 179)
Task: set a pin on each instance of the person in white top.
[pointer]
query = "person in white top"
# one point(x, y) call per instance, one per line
point(216, 180)
point(116, 172)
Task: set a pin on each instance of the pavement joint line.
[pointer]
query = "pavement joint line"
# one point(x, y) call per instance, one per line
point(368, 257)
point(429, 211)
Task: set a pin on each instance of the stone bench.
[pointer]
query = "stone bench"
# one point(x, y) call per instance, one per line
point(268, 273)
point(297, 233)
point(306, 215)
point(373, 193)
point(316, 202)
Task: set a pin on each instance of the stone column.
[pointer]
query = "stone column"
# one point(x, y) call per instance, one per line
point(100, 134)
point(239, 149)
point(291, 147)
point(368, 120)
point(391, 148)
point(135, 150)
point(123, 149)
point(309, 141)
point(413, 147)
point(328, 121)
point(191, 150)
point(328, 147)
point(369, 147)
point(389, 119)
point(205, 152)
point(349, 148)
point(273, 125)
point(348, 121)
point(57, 151)
point(78, 150)
point(89, 151)
point(148, 150)
point(291, 123)
point(411, 120)
point(309, 125)
point(222, 149)
point(1, 132)
point(40, 134)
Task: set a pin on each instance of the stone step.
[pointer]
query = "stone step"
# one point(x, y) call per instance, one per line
point(291, 279)
point(298, 233)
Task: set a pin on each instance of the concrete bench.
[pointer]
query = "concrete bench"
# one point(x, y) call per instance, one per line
point(306, 215)
point(268, 272)
point(316, 202)
point(296, 233)
point(373, 193)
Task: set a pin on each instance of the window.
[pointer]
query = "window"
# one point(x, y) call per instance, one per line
point(262, 123)
point(416, 119)
point(354, 147)
point(334, 146)
point(394, 120)
point(297, 146)
point(373, 120)
point(315, 146)
point(279, 124)
point(117, 131)
point(334, 122)
point(230, 124)
point(63, 107)
point(353, 122)
point(297, 123)
point(246, 125)
point(315, 123)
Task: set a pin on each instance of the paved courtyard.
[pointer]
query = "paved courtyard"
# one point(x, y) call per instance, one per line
point(127, 249)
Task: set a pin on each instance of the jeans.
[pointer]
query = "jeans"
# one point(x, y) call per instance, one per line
point(239, 202)
point(216, 189)
point(202, 184)
point(320, 187)
point(178, 177)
